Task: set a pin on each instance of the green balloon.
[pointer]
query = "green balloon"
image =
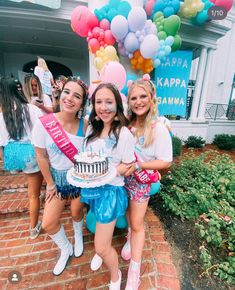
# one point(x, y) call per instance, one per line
point(172, 25)
point(162, 35)
point(177, 43)
point(158, 15)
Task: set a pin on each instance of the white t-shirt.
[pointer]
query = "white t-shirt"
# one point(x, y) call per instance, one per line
point(41, 139)
point(165, 121)
point(123, 152)
point(34, 114)
point(45, 79)
point(161, 148)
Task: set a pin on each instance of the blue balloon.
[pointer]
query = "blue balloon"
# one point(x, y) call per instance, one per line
point(91, 221)
point(129, 77)
point(111, 14)
point(137, 18)
point(155, 188)
point(169, 40)
point(119, 27)
point(131, 42)
point(167, 49)
point(124, 9)
point(121, 222)
point(168, 11)
point(156, 62)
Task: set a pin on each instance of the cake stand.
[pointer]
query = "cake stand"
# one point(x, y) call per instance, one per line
point(84, 183)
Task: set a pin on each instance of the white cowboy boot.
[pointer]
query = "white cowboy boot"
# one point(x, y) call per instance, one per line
point(116, 285)
point(96, 262)
point(78, 245)
point(66, 248)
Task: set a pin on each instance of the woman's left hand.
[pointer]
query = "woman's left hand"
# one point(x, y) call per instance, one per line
point(122, 168)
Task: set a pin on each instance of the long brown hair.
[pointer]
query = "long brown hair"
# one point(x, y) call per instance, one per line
point(119, 121)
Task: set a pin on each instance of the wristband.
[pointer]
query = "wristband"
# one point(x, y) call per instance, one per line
point(50, 188)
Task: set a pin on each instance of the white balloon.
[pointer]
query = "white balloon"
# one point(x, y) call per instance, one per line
point(149, 46)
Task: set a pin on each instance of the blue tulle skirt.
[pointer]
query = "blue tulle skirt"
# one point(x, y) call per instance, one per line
point(64, 189)
point(17, 155)
point(111, 203)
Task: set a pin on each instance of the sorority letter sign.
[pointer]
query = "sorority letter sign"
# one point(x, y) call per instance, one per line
point(171, 80)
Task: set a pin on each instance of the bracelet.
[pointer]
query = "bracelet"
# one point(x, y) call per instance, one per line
point(137, 166)
point(50, 188)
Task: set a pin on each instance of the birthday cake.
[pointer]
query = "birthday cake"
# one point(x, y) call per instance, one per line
point(90, 166)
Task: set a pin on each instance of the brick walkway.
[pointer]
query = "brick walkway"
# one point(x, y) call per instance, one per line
point(35, 259)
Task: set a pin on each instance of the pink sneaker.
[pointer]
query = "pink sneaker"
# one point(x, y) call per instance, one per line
point(126, 249)
point(133, 279)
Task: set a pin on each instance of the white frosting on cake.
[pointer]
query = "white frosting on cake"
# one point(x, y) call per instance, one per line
point(88, 158)
point(90, 166)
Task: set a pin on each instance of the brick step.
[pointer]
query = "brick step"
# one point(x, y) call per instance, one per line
point(15, 202)
point(12, 181)
point(35, 259)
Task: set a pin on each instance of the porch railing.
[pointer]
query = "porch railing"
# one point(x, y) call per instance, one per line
point(220, 111)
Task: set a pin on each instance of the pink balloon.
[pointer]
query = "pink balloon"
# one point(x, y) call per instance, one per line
point(108, 37)
point(104, 24)
point(91, 89)
point(96, 32)
point(93, 45)
point(227, 4)
point(113, 72)
point(79, 20)
point(149, 7)
point(92, 21)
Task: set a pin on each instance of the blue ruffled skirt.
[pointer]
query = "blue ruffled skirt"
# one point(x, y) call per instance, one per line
point(108, 205)
point(64, 189)
point(17, 155)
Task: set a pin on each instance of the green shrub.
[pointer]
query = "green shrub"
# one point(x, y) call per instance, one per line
point(177, 146)
point(224, 141)
point(194, 142)
point(202, 189)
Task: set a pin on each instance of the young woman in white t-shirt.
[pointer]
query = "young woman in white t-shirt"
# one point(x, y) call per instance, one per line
point(33, 92)
point(54, 165)
point(153, 148)
point(17, 119)
point(108, 135)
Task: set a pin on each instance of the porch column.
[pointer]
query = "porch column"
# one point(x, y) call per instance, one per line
point(206, 85)
point(199, 82)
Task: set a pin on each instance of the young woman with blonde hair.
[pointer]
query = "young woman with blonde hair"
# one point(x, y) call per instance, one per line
point(33, 92)
point(153, 149)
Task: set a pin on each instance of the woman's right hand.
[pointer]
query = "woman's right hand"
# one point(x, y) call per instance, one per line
point(51, 191)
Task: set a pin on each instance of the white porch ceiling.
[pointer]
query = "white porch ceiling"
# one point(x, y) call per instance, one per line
point(40, 32)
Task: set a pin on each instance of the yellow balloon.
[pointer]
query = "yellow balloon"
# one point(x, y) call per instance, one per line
point(110, 52)
point(99, 63)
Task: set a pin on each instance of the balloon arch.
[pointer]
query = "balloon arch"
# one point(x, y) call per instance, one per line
point(145, 35)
